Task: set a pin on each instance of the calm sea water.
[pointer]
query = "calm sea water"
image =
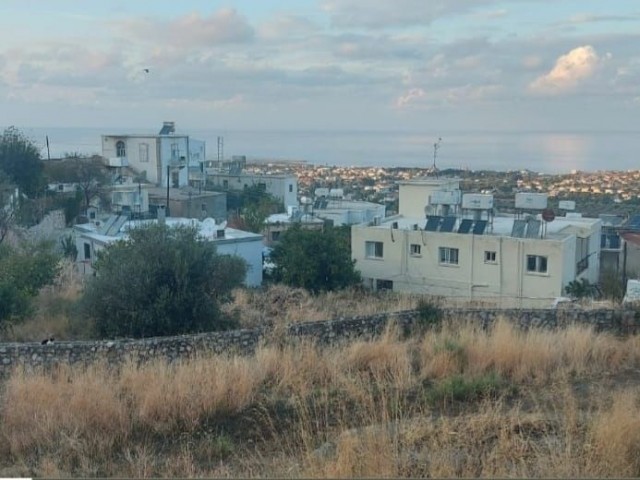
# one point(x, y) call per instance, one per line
point(543, 152)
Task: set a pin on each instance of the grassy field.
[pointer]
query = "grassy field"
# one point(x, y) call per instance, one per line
point(457, 402)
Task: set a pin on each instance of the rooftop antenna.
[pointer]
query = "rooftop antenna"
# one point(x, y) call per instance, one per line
point(436, 147)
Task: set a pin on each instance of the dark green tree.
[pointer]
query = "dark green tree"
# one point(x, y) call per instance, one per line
point(20, 160)
point(317, 261)
point(161, 281)
point(23, 272)
point(88, 173)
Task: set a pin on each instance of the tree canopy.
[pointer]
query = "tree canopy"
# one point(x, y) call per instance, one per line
point(88, 173)
point(20, 161)
point(317, 261)
point(23, 272)
point(161, 281)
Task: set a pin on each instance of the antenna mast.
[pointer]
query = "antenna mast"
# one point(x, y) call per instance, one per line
point(436, 147)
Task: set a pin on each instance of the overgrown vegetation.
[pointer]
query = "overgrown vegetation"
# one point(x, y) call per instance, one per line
point(161, 281)
point(23, 272)
point(458, 402)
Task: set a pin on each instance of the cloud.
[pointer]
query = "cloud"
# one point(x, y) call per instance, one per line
point(385, 13)
point(190, 30)
point(409, 97)
point(569, 71)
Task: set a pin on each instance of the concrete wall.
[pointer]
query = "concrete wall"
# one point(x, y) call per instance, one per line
point(132, 146)
point(326, 332)
point(251, 251)
point(414, 195)
point(472, 277)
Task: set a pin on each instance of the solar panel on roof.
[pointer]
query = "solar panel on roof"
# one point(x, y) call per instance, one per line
point(465, 226)
point(533, 228)
point(433, 222)
point(479, 227)
point(518, 228)
point(447, 224)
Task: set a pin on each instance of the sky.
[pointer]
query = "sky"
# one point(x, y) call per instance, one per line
point(370, 65)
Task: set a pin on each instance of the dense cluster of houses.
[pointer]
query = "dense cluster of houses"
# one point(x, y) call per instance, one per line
point(442, 241)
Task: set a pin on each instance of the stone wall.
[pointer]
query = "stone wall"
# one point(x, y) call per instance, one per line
point(326, 332)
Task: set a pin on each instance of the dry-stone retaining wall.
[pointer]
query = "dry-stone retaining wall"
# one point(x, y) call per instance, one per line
point(332, 331)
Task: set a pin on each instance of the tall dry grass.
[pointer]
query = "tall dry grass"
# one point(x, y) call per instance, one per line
point(385, 407)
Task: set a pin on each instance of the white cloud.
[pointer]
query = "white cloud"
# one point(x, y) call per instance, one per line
point(190, 30)
point(569, 71)
point(409, 97)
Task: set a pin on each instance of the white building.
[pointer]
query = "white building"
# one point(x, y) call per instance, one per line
point(167, 153)
point(347, 212)
point(93, 237)
point(283, 187)
point(526, 265)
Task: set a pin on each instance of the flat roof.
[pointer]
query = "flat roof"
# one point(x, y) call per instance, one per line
point(431, 181)
point(285, 218)
point(338, 206)
point(181, 193)
point(500, 227)
point(207, 228)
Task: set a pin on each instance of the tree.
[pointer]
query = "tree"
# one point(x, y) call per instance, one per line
point(161, 281)
point(317, 261)
point(23, 273)
point(581, 289)
point(20, 160)
point(89, 174)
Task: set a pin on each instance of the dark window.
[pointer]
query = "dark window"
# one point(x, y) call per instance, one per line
point(489, 256)
point(384, 284)
point(415, 249)
point(374, 249)
point(290, 187)
point(449, 255)
point(275, 236)
point(87, 251)
point(121, 151)
point(225, 184)
point(536, 264)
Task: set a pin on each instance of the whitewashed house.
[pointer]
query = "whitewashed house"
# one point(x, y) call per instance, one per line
point(166, 154)
point(93, 237)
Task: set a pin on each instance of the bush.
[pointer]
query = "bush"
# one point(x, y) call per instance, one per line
point(161, 281)
point(429, 315)
point(22, 274)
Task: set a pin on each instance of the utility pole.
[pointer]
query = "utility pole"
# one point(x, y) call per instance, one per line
point(436, 147)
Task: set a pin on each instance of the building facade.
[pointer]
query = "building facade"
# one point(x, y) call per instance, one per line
point(157, 157)
point(480, 259)
point(95, 236)
point(282, 187)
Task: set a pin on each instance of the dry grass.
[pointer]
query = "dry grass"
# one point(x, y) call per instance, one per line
point(431, 406)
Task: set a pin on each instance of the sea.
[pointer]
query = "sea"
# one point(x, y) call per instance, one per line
point(545, 152)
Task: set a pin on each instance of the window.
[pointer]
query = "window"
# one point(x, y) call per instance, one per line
point(87, 251)
point(144, 152)
point(384, 284)
point(290, 187)
point(449, 256)
point(536, 264)
point(582, 254)
point(374, 249)
point(121, 151)
point(225, 184)
point(275, 236)
point(415, 249)
point(60, 187)
point(489, 256)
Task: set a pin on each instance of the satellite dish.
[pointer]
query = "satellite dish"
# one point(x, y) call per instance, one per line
point(548, 215)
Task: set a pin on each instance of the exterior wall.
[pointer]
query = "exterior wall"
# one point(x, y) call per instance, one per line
point(472, 277)
point(251, 251)
point(168, 154)
point(128, 196)
point(282, 187)
point(414, 196)
point(352, 216)
point(279, 227)
point(325, 332)
point(215, 206)
point(132, 150)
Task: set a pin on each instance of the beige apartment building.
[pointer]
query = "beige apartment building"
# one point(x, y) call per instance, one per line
point(474, 255)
